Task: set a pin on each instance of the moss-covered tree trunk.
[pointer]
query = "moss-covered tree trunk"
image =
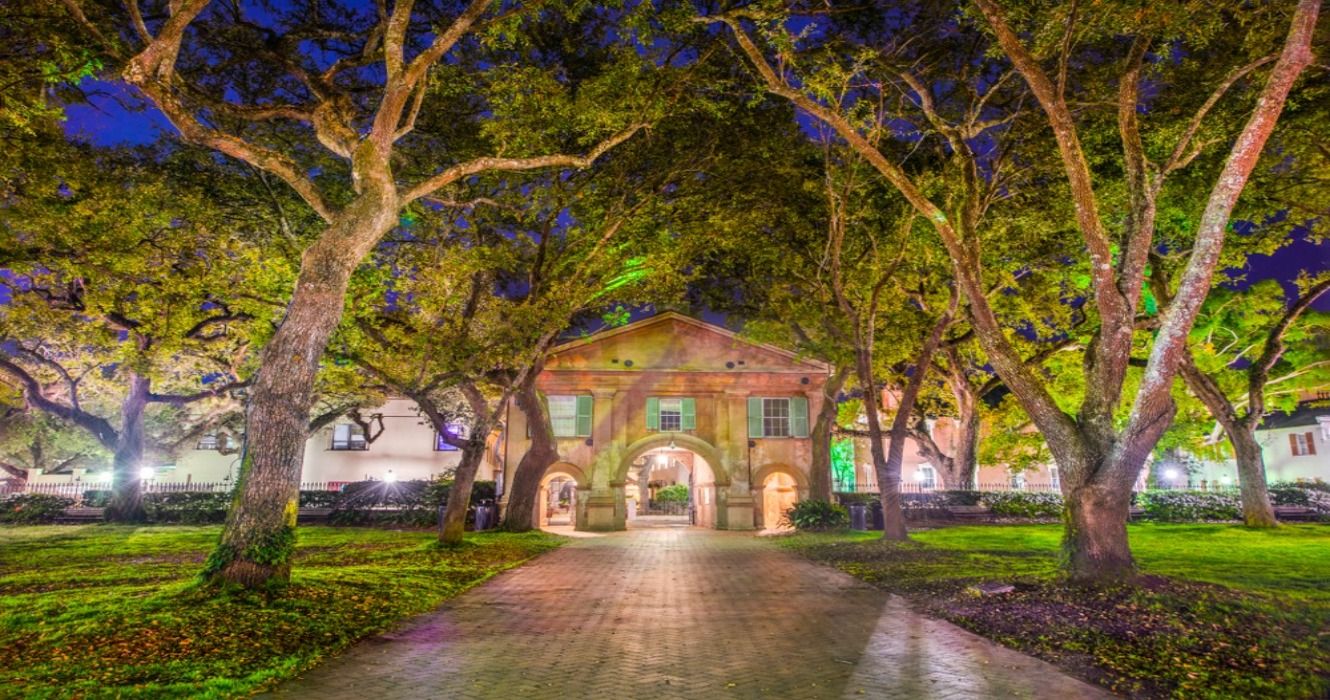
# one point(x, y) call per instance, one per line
point(524, 483)
point(464, 479)
point(1257, 511)
point(126, 504)
point(259, 535)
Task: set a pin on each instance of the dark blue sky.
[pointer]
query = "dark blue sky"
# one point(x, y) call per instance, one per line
point(115, 115)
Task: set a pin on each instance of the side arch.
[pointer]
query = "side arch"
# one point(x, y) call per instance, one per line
point(571, 470)
point(760, 476)
point(703, 449)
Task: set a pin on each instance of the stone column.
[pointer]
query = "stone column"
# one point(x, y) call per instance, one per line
point(604, 504)
point(734, 505)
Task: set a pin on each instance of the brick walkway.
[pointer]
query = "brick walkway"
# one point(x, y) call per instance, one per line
point(679, 613)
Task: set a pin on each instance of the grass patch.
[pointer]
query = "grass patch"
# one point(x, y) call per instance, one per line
point(113, 611)
point(1221, 611)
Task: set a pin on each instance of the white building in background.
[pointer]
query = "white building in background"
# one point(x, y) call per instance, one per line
point(1296, 447)
point(407, 448)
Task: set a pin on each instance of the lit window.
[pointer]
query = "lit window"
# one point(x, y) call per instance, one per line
point(775, 417)
point(207, 442)
point(348, 436)
point(1054, 479)
point(457, 431)
point(926, 477)
point(671, 415)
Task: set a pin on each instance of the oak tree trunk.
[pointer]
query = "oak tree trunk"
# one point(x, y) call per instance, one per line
point(819, 487)
point(459, 495)
point(1095, 541)
point(965, 461)
point(259, 535)
point(524, 484)
point(1256, 508)
point(889, 486)
point(126, 504)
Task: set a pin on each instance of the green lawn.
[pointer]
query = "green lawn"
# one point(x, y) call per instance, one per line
point(109, 611)
point(1221, 611)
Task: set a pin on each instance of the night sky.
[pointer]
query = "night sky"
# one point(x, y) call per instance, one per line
point(115, 115)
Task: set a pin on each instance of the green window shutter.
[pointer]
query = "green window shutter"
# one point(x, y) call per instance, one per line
point(584, 416)
point(799, 416)
point(653, 413)
point(754, 417)
point(689, 420)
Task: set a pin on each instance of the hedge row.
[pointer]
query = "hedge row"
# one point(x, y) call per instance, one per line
point(408, 503)
point(1162, 506)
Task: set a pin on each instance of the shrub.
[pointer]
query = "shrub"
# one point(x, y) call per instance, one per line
point(33, 508)
point(186, 507)
point(817, 515)
point(674, 493)
point(1190, 506)
point(407, 503)
point(1020, 504)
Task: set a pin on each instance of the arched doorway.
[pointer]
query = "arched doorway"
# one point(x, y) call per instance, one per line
point(659, 462)
point(777, 487)
point(562, 498)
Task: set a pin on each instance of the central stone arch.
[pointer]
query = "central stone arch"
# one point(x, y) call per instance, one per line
point(708, 452)
point(704, 449)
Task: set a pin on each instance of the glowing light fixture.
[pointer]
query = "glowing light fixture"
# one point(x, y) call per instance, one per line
point(147, 473)
point(672, 446)
point(920, 476)
point(1225, 480)
point(1170, 474)
point(390, 477)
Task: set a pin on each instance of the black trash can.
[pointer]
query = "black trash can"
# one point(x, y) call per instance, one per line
point(484, 516)
point(858, 516)
point(878, 523)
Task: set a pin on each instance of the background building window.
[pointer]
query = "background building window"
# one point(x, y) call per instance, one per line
point(457, 431)
point(1053, 479)
point(671, 415)
point(926, 477)
point(348, 436)
point(1302, 444)
point(1018, 481)
point(212, 442)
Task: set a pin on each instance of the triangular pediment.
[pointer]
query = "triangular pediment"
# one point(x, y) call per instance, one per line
point(673, 341)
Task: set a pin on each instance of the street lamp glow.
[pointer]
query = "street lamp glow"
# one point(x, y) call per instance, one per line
point(1224, 480)
point(147, 472)
point(390, 477)
point(920, 476)
point(1170, 474)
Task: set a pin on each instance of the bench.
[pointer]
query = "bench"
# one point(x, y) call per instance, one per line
point(74, 516)
point(969, 513)
point(1294, 513)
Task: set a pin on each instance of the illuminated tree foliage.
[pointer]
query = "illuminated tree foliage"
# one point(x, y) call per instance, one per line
point(134, 300)
point(1117, 140)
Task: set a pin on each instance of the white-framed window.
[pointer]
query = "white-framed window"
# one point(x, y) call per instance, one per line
point(926, 476)
point(212, 442)
point(775, 417)
point(1054, 479)
point(348, 436)
point(570, 416)
point(1018, 481)
point(1302, 444)
point(671, 415)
